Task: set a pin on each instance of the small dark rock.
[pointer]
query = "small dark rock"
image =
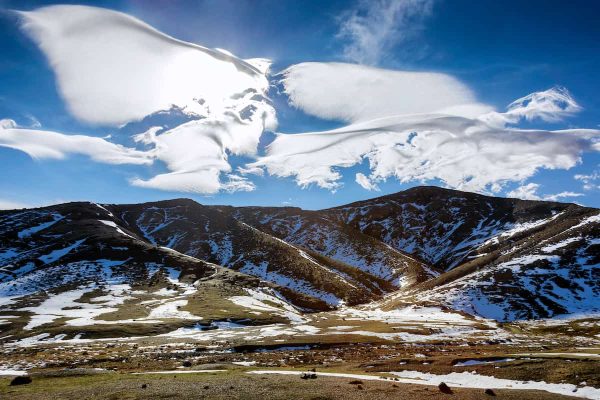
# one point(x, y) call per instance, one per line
point(206, 387)
point(308, 375)
point(356, 382)
point(187, 363)
point(20, 380)
point(144, 386)
point(444, 388)
point(489, 392)
point(360, 387)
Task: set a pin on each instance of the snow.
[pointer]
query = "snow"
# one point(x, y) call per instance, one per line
point(256, 301)
point(562, 355)
point(244, 363)
point(55, 255)
point(171, 310)
point(11, 372)
point(117, 228)
point(473, 380)
point(469, 363)
point(296, 284)
point(66, 305)
point(178, 371)
point(30, 231)
point(553, 247)
point(332, 374)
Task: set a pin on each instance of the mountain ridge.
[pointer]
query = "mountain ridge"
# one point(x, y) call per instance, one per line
point(419, 246)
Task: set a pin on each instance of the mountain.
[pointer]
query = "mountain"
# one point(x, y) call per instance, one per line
point(85, 268)
point(215, 235)
point(505, 259)
point(74, 270)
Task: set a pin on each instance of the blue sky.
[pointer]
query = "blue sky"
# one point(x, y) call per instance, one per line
point(501, 51)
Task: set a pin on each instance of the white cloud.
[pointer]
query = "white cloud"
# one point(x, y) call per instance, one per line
point(526, 192)
point(416, 126)
point(529, 191)
point(374, 27)
point(366, 183)
point(464, 153)
point(112, 69)
point(589, 181)
point(41, 144)
point(551, 105)
point(355, 93)
point(11, 205)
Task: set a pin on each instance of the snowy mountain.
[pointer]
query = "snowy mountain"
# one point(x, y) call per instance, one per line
point(154, 267)
point(505, 259)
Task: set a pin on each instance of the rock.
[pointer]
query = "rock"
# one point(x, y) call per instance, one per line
point(308, 375)
point(489, 392)
point(444, 388)
point(144, 386)
point(20, 380)
point(356, 382)
point(360, 387)
point(187, 363)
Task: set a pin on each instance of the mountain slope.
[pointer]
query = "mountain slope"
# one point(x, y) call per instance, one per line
point(213, 234)
point(71, 271)
point(500, 258)
point(441, 226)
point(319, 233)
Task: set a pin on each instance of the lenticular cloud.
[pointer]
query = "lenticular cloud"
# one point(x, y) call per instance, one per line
point(112, 70)
point(477, 154)
point(354, 93)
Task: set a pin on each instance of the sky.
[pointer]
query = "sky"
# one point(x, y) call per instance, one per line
point(310, 104)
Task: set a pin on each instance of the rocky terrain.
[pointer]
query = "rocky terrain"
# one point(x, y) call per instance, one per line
point(419, 282)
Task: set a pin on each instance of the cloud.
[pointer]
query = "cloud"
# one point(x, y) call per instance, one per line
point(355, 93)
point(589, 181)
point(41, 144)
point(11, 205)
point(366, 183)
point(113, 69)
point(551, 105)
point(529, 192)
point(464, 153)
point(374, 27)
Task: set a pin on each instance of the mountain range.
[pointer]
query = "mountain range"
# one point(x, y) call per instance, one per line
point(163, 263)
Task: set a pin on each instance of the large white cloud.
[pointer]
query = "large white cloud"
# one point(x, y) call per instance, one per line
point(353, 93)
point(112, 69)
point(464, 153)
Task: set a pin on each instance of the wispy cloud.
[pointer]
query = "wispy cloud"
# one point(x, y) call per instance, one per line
point(529, 191)
point(366, 183)
point(590, 181)
point(374, 27)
